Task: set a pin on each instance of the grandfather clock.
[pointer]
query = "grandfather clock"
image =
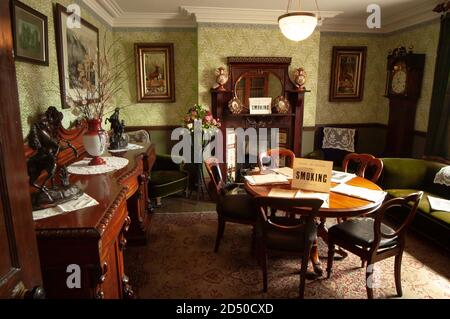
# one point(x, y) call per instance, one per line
point(403, 86)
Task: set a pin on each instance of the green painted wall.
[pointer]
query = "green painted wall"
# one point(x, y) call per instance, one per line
point(39, 85)
point(185, 55)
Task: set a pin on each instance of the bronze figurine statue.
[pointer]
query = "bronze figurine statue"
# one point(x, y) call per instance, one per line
point(117, 140)
point(46, 143)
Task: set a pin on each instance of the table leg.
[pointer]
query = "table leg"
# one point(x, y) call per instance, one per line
point(317, 266)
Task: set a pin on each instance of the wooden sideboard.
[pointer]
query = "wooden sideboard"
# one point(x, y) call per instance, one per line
point(94, 238)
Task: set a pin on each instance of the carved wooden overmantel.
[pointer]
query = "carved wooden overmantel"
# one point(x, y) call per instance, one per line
point(290, 122)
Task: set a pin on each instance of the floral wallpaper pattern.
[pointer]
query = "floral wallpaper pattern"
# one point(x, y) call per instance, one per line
point(39, 85)
point(374, 108)
point(216, 42)
point(198, 52)
point(185, 56)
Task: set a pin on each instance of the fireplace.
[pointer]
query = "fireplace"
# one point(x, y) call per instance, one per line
point(242, 74)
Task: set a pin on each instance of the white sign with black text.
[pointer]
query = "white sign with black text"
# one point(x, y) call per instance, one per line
point(312, 175)
point(260, 105)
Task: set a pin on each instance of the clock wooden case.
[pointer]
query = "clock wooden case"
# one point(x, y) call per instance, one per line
point(403, 88)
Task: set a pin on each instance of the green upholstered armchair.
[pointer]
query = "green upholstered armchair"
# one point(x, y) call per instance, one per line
point(167, 178)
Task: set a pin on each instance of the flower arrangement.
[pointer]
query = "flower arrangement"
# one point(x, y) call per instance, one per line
point(200, 115)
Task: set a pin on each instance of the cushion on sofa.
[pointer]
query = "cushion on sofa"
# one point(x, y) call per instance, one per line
point(424, 205)
point(403, 173)
point(430, 186)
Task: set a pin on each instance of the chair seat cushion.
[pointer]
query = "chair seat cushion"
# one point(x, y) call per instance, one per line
point(360, 232)
point(424, 205)
point(236, 203)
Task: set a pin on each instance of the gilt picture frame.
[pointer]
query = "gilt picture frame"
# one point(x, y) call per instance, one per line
point(77, 50)
point(155, 76)
point(30, 34)
point(347, 74)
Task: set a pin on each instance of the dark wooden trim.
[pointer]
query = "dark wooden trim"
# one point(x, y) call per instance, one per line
point(443, 7)
point(14, 4)
point(152, 128)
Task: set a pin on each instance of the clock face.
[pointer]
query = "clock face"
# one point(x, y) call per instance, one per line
point(399, 82)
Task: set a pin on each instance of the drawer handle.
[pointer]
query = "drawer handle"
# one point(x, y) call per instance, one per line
point(104, 272)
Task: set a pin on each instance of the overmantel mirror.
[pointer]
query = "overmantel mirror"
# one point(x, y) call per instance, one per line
point(259, 77)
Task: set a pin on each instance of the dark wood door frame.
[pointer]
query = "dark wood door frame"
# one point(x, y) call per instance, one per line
point(20, 271)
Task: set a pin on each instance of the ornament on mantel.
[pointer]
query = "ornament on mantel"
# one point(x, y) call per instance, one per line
point(221, 78)
point(299, 78)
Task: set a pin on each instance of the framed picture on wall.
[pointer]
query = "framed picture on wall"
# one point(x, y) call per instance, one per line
point(155, 72)
point(30, 32)
point(77, 49)
point(347, 74)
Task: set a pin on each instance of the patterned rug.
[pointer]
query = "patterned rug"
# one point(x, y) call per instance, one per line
point(179, 262)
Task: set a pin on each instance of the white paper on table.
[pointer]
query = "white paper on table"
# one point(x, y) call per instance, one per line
point(341, 177)
point(286, 171)
point(130, 147)
point(359, 192)
point(439, 204)
point(323, 196)
point(283, 193)
point(267, 179)
point(83, 201)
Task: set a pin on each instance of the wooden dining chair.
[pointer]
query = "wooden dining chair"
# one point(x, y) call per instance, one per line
point(233, 204)
point(367, 165)
point(274, 154)
point(372, 240)
point(293, 234)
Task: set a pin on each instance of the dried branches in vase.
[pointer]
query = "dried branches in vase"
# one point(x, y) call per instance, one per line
point(94, 99)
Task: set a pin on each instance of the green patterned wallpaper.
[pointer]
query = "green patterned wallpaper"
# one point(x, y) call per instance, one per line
point(185, 55)
point(375, 107)
point(39, 85)
point(216, 42)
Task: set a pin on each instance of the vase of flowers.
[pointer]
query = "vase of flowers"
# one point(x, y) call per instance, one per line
point(199, 118)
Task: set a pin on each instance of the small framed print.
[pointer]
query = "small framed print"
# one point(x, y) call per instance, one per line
point(260, 105)
point(155, 72)
point(30, 33)
point(347, 74)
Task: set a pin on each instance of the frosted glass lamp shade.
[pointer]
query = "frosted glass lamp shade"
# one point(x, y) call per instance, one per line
point(297, 26)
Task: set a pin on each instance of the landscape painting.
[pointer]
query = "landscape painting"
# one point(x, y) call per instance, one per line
point(77, 58)
point(30, 34)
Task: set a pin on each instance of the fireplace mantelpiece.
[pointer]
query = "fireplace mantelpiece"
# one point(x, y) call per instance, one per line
point(289, 124)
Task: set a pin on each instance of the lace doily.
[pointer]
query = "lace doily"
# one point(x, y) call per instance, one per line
point(339, 138)
point(443, 176)
point(83, 201)
point(130, 147)
point(112, 163)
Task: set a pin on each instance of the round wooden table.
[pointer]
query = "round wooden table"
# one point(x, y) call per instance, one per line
point(340, 206)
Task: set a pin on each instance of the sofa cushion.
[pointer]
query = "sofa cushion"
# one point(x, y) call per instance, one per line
point(404, 173)
point(165, 177)
point(424, 205)
point(165, 183)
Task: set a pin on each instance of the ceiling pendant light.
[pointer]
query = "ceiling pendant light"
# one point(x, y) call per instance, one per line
point(298, 26)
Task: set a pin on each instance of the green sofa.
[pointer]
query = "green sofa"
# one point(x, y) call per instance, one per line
point(403, 176)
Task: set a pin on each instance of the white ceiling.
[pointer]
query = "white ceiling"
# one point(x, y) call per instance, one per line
point(340, 15)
